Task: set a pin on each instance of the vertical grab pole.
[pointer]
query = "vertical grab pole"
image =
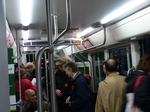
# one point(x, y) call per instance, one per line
point(19, 63)
point(46, 75)
point(82, 62)
point(91, 70)
point(38, 78)
point(51, 57)
point(4, 80)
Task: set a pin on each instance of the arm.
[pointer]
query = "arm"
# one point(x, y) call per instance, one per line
point(29, 85)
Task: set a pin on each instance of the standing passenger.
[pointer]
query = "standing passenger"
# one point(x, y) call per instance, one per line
point(111, 90)
point(25, 83)
point(142, 92)
point(79, 99)
point(62, 85)
point(30, 67)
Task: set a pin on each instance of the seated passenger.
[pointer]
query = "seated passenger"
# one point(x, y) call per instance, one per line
point(31, 105)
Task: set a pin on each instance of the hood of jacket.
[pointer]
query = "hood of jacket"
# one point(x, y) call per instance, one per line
point(132, 78)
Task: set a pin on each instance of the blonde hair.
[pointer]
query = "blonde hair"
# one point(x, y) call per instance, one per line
point(29, 64)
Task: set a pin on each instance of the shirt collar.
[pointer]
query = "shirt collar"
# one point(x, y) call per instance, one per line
point(74, 76)
point(112, 74)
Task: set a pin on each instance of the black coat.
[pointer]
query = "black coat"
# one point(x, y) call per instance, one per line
point(62, 83)
point(142, 92)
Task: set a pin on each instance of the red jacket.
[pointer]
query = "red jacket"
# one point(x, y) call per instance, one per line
point(25, 84)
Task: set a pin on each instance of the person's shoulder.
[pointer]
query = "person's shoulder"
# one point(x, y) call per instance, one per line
point(24, 108)
point(26, 78)
point(145, 79)
point(121, 76)
point(103, 84)
point(80, 79)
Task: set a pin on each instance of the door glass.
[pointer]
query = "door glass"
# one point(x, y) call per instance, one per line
point(123, 57)
point(98, 68)
point(144, 45)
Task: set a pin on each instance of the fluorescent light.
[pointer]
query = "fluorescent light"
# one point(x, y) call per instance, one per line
point(125, 8)
point(86, 31)
point(26, 9)
point(25, 34)
point(25, 48)
point(60, 47)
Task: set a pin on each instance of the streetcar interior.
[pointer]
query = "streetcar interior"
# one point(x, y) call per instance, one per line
point(57, 27)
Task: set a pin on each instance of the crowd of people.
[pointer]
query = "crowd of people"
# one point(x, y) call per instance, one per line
point(116, 93)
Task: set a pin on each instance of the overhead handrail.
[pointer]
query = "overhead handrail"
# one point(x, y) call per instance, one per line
point(55, 16)
point(130, 70)
point(67, 21)
point(87, 49)
point(82, 62)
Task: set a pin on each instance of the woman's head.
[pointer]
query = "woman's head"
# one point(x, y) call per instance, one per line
point(144, 64)
point(23, 72)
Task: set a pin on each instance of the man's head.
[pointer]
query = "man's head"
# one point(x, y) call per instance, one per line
point(30, 96)
point(61, 62)
point(30, 66)
point(110, 66)
point(70, 69)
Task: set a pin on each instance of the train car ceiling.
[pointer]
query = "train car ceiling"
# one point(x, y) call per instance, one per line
point(132, 26)
point(83, 13)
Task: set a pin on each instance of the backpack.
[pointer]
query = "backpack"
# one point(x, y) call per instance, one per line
point(88, 79)
point(93, 94)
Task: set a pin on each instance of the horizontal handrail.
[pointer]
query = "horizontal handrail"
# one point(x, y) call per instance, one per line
point(17, 103)
point(101, 44)
point(131, 69)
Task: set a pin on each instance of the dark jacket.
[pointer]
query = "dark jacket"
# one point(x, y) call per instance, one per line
point(80, 95)
point(142, 92)
point(62, 83)
point(33, 107)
